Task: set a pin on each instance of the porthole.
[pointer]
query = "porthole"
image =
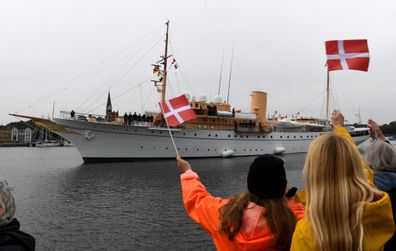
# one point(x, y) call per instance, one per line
point(216, 135)
point(294, 136)
point(208, 150)
point(141, 147)
point(186, 149)
point(178, 149)
point(271, 137)
point(152, 131)
point(209, 135)
point(287, 136)
point(184, 133)
point(281, 136)
point(166, 148)
point(229, 135)
point(195, 134)
point(241, 136)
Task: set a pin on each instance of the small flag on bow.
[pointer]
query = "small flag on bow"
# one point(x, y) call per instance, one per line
point(177, 110)
point(347, 55)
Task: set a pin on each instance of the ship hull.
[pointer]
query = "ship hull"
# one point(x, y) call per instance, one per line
point(99, 142)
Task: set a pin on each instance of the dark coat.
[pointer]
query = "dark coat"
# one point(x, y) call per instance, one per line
point(12, 239)
point(386, 181)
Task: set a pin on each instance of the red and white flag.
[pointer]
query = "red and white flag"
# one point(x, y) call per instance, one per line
point(177, 110)
point(347, 55)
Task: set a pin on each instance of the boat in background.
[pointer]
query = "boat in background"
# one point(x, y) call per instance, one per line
point(219, 130)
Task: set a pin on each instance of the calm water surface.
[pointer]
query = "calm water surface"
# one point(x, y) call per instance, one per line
point(67, 205)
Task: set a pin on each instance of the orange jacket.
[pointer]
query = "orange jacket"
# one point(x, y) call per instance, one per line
point(204, 210)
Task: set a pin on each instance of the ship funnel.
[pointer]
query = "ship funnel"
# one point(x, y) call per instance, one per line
point(258, 105)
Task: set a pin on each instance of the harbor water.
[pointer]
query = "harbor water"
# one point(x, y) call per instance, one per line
point(68, 205)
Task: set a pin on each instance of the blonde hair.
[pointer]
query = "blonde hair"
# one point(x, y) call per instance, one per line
point(337, 190)
point(281, 219)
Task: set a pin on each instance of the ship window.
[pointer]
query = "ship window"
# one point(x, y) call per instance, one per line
point(208, 150)
point(307, 136)
point(281, 136)
point(241, 136)
point(195, 134)
point(197, 149)
point(250, 150)
point(258, 136)
point(216, 135)
point(247, 136)
point(261, 149)
point(166, 148)
point(186, 149)
point(256, 150)
point(235, 136)
point(271, 137)
point(234, 150)
point(160, 132)
point(229, 135)
point(294, 136)
point(287, 136)
point(209, 135)
point(184, 133)
point(141, 147)
point(178, 149)
point(300, 136)
point(264, 137)
point(244, 150)
point(152, 131)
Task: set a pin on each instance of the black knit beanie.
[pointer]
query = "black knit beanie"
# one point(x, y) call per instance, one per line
point(267, 177)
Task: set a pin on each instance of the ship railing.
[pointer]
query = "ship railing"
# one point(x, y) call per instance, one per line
point(80, 116)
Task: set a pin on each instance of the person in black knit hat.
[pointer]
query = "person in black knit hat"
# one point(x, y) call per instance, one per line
point(262, 218)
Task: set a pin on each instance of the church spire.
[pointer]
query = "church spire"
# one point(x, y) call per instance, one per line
point(109, 107)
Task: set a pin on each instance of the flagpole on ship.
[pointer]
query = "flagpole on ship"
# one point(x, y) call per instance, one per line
point(163, 91)
point(328, 97)
point(165, 73)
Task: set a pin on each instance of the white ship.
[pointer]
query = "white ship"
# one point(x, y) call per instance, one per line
point(218, 131)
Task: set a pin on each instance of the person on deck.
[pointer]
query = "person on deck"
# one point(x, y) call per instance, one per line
point(11, 238)
point(129, 119)
point(125, 119)
point(344, 210)
point(261, 218)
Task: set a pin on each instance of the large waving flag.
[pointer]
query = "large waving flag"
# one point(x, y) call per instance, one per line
point(177, 110)
point(347, 55)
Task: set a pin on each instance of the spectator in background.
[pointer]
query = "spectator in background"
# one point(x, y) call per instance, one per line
point(125, 119)
point(381, 157)
point(11, 238)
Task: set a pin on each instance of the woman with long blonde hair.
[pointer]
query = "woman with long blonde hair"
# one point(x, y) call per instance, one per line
point(343, 210)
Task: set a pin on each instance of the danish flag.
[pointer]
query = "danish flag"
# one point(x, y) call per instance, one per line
point(177, 110)
point(347, 55)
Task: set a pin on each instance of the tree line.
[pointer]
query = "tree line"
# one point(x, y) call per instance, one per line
point(389, 129)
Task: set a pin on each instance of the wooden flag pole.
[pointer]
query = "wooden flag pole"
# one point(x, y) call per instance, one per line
point(170, 133)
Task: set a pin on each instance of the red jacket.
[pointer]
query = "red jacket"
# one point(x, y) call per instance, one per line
point(204, 210)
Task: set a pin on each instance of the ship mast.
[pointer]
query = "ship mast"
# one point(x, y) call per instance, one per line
point(163, 91)
point(328, 97)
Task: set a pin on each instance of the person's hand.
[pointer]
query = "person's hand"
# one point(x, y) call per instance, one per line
point(183, 165)
point(337, 119)
point(376, 129)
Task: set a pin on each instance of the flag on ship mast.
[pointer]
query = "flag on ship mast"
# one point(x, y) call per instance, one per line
point(347, 55)
point(177, 111)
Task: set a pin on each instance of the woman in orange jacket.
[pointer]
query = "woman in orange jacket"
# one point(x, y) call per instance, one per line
point(261, 218)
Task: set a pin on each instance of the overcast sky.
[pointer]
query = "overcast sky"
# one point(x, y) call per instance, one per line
point(72, 52)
